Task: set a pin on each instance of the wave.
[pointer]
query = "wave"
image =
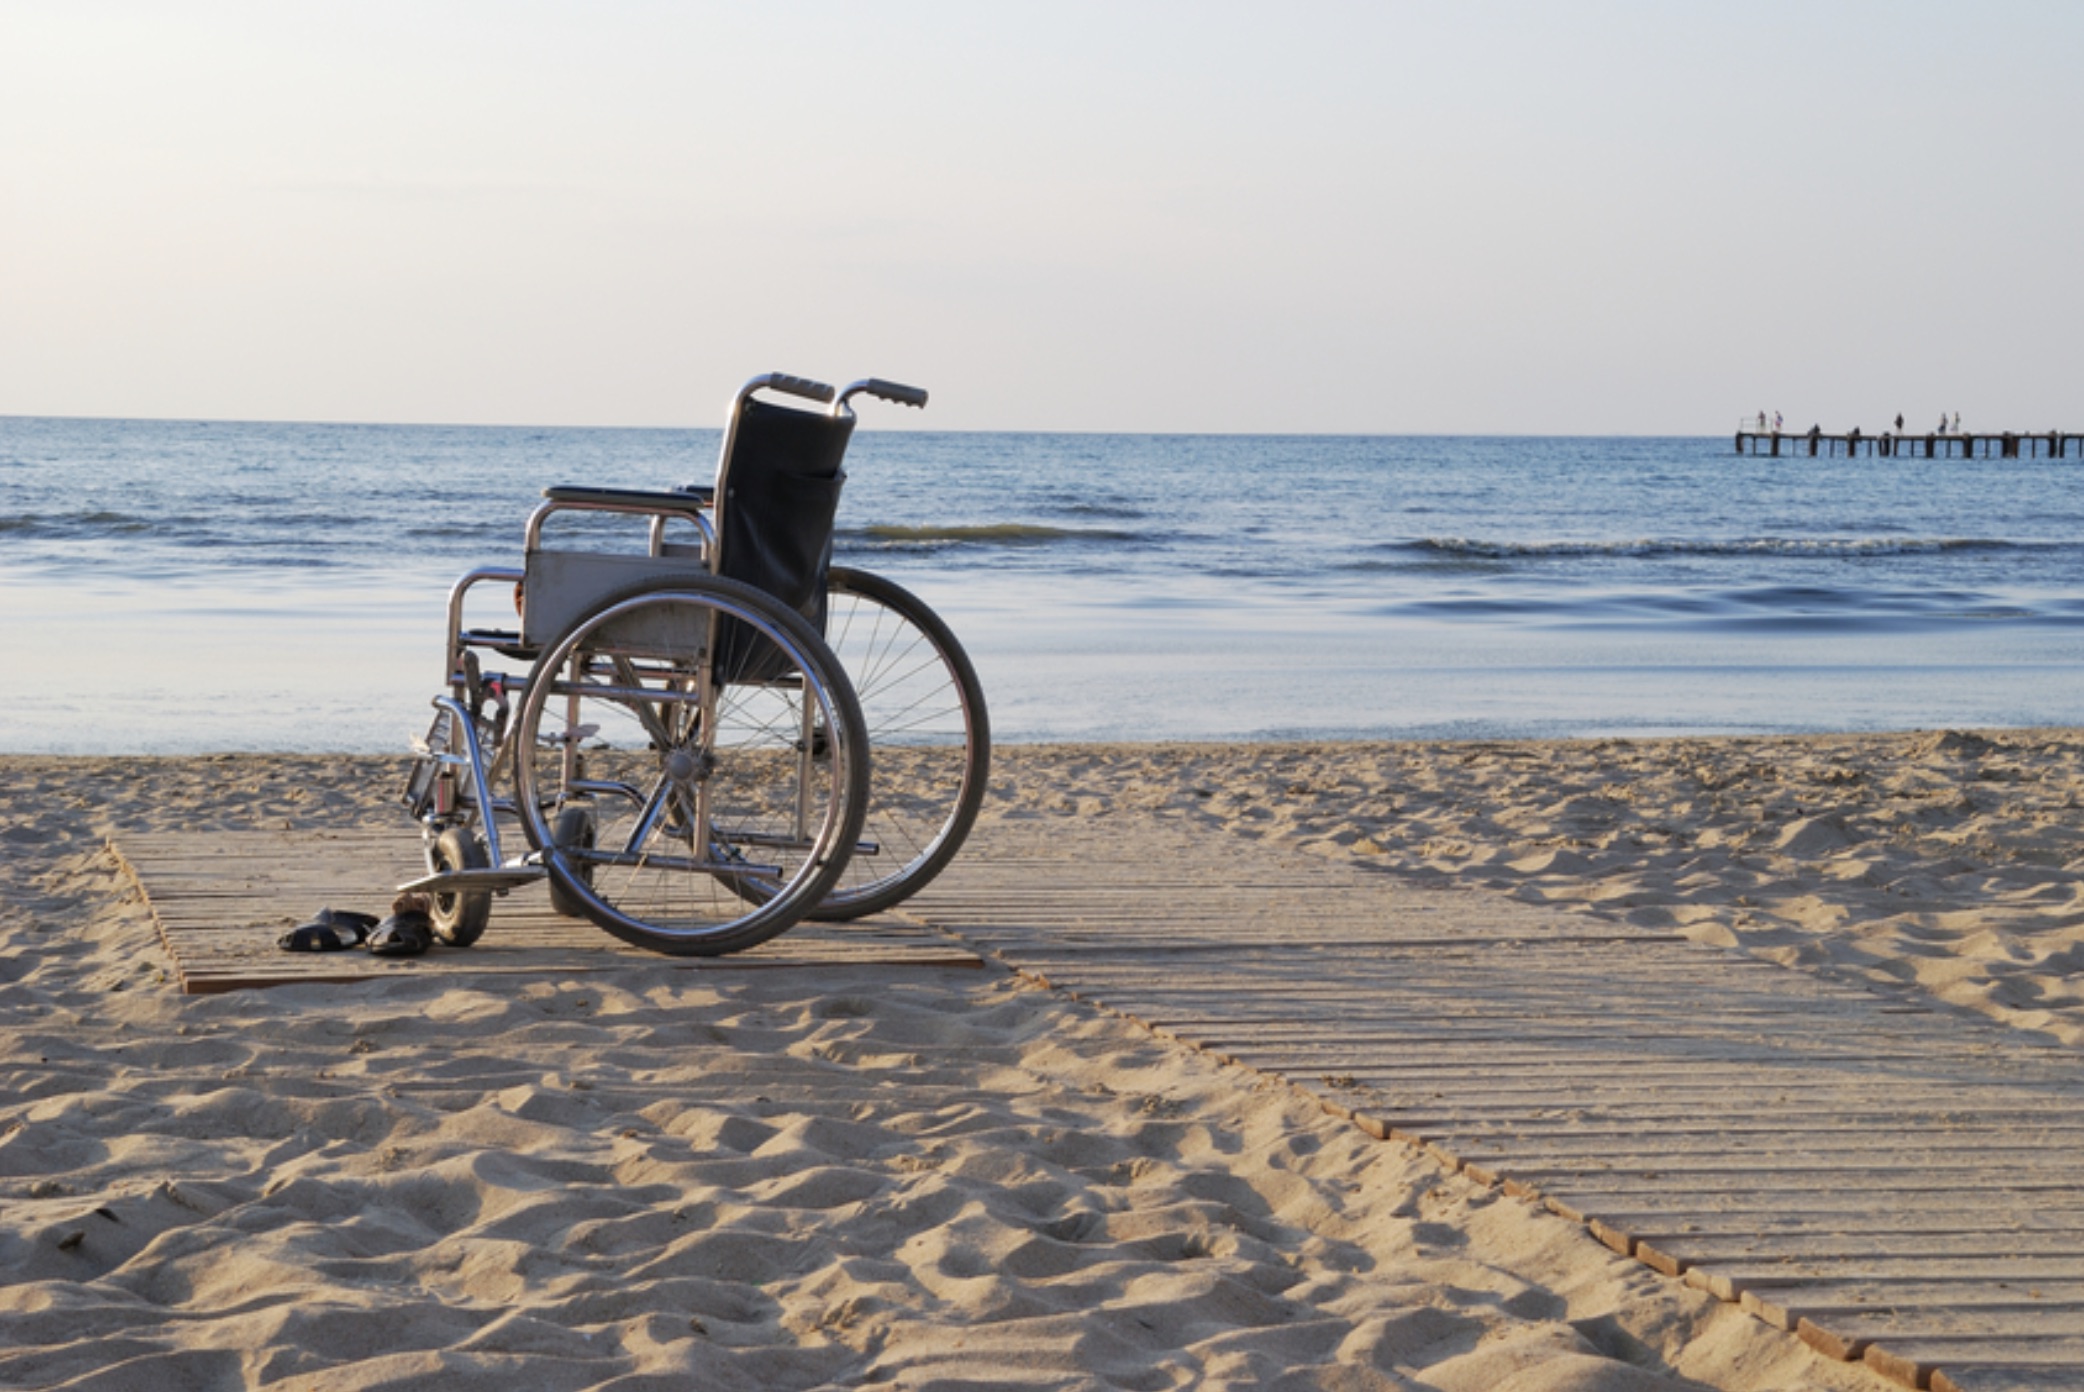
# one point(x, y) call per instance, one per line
point(1819, 547)
point(1756, 609)
point(983, 534)
point(73, 524)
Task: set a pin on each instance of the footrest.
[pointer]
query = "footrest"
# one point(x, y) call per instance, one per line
point(494, 880)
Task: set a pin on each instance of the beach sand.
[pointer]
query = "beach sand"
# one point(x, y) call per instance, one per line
point(923, 1177)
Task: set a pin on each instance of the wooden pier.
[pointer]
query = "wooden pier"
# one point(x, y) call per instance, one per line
point(2005, 444)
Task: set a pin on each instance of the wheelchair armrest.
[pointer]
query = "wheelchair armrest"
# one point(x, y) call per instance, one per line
point(690, 503)
point(690, 500)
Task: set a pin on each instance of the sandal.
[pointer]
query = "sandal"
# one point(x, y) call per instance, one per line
point(330, 930)
point(408, 932)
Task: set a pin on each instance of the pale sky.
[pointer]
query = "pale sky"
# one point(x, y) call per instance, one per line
point(1647, 216)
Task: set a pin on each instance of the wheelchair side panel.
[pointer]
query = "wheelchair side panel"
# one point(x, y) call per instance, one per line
point(559, 587)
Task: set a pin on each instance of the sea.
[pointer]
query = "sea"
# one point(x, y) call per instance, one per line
point(179, 587)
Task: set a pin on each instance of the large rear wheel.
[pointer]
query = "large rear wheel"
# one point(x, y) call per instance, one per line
point(719, 747)
point(926, 722)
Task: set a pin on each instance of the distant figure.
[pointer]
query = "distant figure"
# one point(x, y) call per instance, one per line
point(1761, 420)
point(1942, 422)
point(1776, 422)
point(1815, 432)
point(1899, 422)
point(1957, 423)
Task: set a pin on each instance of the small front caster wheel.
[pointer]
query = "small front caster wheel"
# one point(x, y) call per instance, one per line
point(460, 915)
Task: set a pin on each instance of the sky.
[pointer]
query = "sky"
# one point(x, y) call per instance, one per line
point(1636, 217)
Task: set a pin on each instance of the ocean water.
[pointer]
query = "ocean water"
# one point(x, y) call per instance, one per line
point(176, 587)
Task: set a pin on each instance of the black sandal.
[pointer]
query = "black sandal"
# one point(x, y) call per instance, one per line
point(408, 932)
point(330, 930)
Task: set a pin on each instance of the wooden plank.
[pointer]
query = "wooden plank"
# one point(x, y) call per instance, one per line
point(1849, 1334)
point(1828, 1303)
point(1959, 1370)
point(2045, 1363)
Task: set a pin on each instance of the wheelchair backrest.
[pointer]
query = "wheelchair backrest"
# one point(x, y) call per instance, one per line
point(777, 492)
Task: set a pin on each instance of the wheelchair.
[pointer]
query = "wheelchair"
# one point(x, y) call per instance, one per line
point(702, 731)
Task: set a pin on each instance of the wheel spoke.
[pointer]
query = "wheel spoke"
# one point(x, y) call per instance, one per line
point(926, 723)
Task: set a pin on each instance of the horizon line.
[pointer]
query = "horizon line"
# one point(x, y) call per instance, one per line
point(888, 430)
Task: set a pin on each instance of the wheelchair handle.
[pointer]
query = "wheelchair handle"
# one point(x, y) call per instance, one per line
point(793, 386)
point(896, 392)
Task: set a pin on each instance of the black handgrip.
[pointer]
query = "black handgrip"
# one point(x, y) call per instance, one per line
point(895, 391)
point(800, 386)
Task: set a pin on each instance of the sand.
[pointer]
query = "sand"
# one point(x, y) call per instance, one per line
point(925, 1177)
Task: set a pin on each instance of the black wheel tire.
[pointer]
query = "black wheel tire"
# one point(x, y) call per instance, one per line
point(573, 829)
point(460, 916)
point(609, 899)
point(904, 661)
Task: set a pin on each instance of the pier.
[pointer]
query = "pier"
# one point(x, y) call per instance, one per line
point(2005, 444)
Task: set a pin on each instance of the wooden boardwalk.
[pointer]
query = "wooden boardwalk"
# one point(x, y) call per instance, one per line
point(221, 900)
point(1890, 1179)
